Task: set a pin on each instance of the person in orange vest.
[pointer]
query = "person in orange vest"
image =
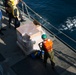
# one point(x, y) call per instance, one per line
point(47, 46)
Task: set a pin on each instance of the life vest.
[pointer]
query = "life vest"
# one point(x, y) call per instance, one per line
point(47, 44)
point(14, 9)
point(13, 2)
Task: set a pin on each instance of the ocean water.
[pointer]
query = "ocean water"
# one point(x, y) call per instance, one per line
point(60, 13)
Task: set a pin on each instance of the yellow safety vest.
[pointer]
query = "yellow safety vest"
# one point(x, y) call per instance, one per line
point(12, 4)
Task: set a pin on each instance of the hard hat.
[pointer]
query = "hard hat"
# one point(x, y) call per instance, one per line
point(44, 36)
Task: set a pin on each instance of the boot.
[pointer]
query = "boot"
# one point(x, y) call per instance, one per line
point(53, 65)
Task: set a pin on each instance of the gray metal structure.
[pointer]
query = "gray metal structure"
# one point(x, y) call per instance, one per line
point(14, 62)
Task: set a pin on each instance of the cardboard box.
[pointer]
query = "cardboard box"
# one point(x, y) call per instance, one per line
point(35, 35)
point(29, 29)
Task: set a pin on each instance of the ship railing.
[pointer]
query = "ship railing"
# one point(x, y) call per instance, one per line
point(31, 14)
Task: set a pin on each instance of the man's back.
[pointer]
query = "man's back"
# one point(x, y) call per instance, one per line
point(48, 44)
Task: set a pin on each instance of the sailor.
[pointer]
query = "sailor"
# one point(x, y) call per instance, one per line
point(15, 13)
point(47, 46)
point(15, 10)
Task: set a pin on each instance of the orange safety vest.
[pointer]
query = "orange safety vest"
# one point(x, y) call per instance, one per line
point(48, 44)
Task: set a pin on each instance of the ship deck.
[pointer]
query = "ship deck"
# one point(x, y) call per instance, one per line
point(13, 60)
